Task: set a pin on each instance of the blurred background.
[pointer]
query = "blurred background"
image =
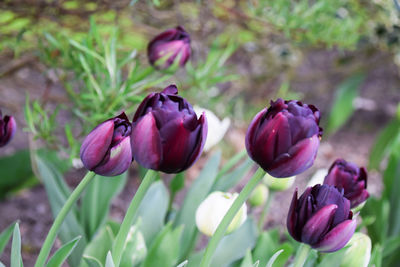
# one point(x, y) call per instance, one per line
point(341, 56)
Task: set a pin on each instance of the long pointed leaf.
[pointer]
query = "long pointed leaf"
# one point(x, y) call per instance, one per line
point(16, 260)
point(62, 253)
point(5, 236)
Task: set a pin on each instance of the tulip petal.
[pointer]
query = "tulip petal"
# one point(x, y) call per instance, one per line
point(200, 142)
point(251, 132)
point(96, 144)
point(118, 160)
point(337, 237)
point(8, 129)
point(146, 142)
point(300, 157)
point(291, 221)
point(318, 224)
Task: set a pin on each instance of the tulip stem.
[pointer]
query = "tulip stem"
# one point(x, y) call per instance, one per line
point(301, 255)
point(237, 204)
point(265, 210)
point(51, 236)
point(130, 216)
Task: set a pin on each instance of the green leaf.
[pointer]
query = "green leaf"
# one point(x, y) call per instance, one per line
point(333, 259)
point(16, 260)
point(135, 249)
point(342, 107)
point(57, 193)
point(13, 178)
point(183, 264)
point(383, 143)
point(199, 190)
point(379, 210)
point(247, 260)
point(177, 183)
point(376, 256)
point(273, 258)
point(165, 248)
point(391, 245)
point(109, 260)
point(230, 179)
point(92, 262)
point(5, 236)
point(152, 211)
point(100, 244)
point(234, 246)
point(62, 253)
point(97, 199)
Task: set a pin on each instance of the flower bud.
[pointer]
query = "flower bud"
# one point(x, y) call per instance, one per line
point(259, 195)
point(280, 184)
point(284, 138)
point(212, 210)
point(350, 178)
point(359, 251)
point(166, 134)
point(170, 47)
point(216, 127)
point(322, 218)
point(107, 149)
point(8, 127)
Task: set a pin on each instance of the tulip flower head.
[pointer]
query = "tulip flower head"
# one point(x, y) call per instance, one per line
point(107, 149)
point(212, 210)
point(170, 47)
point(322, 218)
point(166, 133)
point(349, 177)
point(8, 127)
point(284, 138)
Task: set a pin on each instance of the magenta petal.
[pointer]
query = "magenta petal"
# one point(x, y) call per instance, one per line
point(299, 158)
point(119, 160)
point(8, 127)
point(318, 224)
point(96, 144)
point(146, 142)
point(170, 90)
point(338, 237)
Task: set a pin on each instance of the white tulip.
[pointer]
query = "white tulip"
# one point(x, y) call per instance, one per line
point(216, 127)
point(212, 210)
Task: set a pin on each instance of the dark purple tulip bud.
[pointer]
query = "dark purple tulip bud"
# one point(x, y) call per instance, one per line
point(8, 127)
point(351, 179)
point(168, 47)
point(284, 138)
point(322, 218)
point(166, 134)
point(107, 149)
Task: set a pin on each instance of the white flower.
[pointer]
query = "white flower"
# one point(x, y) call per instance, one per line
point(212, 210)
point(216, 127)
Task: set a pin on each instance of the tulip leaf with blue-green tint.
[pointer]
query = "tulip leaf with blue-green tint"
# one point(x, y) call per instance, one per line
point(383, 143)
point(16, 259)
point(268, 244)
point(247, 260)
point(96, 201)
point(232, 247)
point(198, 191)
point(343, 107)
point(177, 183)
point(109, 260)
point(91, 262)
point(230, 179)
point(5, 236)
point(62, 253)
point(332, 259)
point(152, 211)
point(164, 250)
point(13, 178)
point(100, 244)
point(57, 193)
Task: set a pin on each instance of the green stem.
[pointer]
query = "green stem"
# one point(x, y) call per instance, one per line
point(265, 210)
point(237, 204)
point(51, 236)
point(301, 255)
point(130, 216)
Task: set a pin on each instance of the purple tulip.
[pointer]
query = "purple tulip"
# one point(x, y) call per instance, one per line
point(322, 218)
point(284, 138)
point(350, 178)
point(8, 127)
point(166, 134)
point(171, 45)
point(107, 149)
